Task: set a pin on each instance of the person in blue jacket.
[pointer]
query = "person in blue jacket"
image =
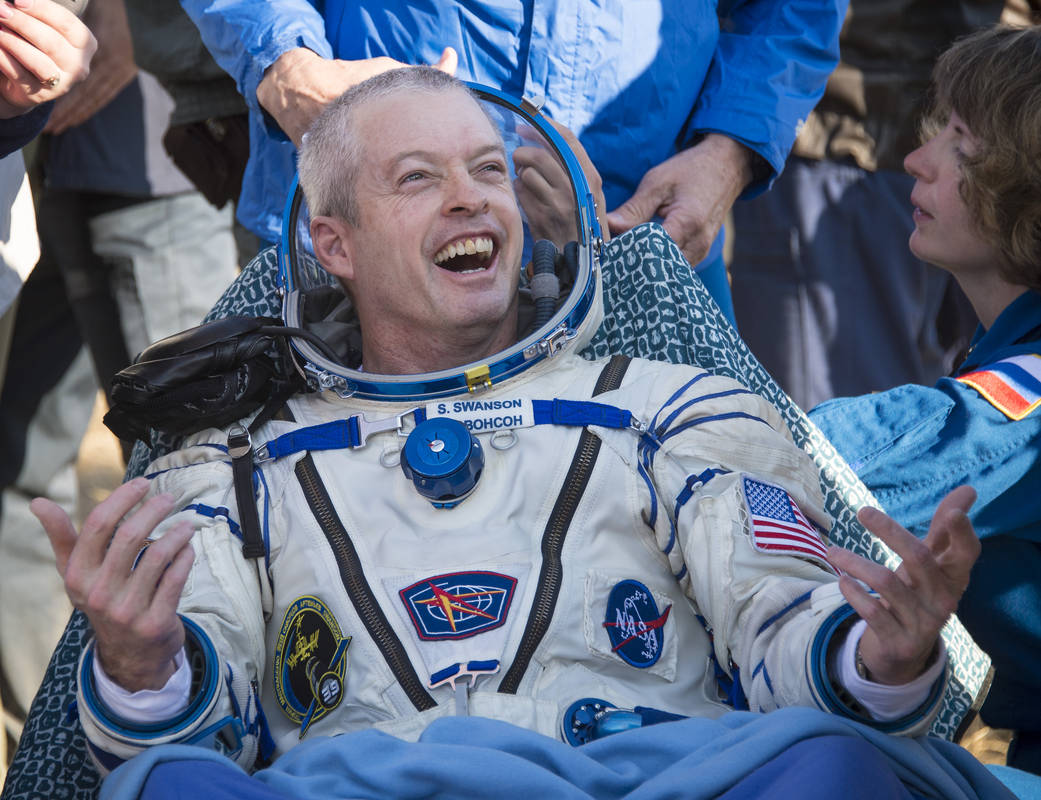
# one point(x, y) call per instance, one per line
point(683, 105)
point(977, 214)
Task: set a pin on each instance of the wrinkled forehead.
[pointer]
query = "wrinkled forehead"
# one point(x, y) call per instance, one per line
point(440, 124)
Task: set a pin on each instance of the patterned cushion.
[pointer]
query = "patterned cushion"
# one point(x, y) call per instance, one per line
point(656, 307)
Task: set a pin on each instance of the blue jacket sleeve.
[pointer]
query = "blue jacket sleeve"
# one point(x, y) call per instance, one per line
point(913, 444)
point(769, 70)
point(246, 36)
point(17, 132)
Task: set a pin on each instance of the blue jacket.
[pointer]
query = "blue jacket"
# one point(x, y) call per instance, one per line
point(636, 79)
point(911, 445)
point(18, 131)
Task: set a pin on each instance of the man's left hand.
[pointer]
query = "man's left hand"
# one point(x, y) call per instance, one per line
point(692, 192)
point(916, 600)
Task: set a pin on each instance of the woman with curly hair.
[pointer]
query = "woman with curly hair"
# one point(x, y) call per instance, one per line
point(977, 214)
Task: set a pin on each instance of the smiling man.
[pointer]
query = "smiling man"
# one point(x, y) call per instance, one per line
point(657, 549)
point(437, 185)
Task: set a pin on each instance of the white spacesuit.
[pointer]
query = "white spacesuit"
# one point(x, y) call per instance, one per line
point(372, 594)
point(551, 534)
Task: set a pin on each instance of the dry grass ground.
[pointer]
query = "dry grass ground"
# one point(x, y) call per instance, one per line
point(100, 463)
point(989, 745)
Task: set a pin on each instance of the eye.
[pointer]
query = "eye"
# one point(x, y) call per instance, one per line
point(493, 168)
point(412, 177)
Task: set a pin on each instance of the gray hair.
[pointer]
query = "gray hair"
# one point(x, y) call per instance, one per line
point(330, 153)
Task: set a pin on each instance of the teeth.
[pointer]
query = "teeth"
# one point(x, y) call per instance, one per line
point(482, 245)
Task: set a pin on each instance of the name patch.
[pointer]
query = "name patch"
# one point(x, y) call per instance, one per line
point(459, 604)
point(485, 415)
point(310, 662)
point(634, 624)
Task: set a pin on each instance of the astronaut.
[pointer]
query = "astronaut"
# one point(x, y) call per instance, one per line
point(481, 524)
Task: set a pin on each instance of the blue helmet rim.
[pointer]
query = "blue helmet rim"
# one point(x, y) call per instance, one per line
point(521, 356)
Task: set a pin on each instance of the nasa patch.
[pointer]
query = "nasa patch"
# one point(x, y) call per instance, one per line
point(634, 624)
point(459, 604)
point(310, 662)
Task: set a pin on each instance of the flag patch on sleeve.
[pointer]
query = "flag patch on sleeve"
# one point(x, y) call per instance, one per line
point(779, 526)
point(1012, 385)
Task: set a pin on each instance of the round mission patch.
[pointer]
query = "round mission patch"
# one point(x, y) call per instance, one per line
point(310, 662)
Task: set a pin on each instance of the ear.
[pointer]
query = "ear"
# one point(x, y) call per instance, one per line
point(331, 238)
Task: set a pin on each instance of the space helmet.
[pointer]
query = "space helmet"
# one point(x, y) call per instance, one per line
point(560, 290)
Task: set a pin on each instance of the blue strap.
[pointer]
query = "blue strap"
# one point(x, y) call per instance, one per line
point(327, 436)
point(265, 740)
point(221, 512)
point(346, 433)
point(225, 736)
point(652, 716)
point(580, 412)
point(693, 483)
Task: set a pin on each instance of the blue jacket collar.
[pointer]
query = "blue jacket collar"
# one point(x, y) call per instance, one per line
point(1015, 323)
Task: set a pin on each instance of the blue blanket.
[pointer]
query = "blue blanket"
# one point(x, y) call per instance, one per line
point(468, 757)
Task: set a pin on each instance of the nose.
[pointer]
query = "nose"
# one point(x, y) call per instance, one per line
point(464, 194)
point(916, 163)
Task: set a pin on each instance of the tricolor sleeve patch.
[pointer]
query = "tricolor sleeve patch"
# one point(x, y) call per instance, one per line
point(1012, 385)
point(779, 526)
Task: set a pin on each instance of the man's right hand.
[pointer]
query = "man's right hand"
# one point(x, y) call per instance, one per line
point(301, 83)
point(915, 600)
point(132, 607)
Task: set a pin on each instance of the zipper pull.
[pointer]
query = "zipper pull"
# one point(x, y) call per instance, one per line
point(456, 676)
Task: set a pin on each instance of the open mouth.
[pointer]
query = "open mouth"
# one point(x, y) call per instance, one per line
point(467, 255)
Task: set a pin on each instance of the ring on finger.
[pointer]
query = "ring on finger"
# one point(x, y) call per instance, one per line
point(52, 81)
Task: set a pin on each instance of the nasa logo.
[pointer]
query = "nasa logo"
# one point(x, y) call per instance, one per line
point(633, 624)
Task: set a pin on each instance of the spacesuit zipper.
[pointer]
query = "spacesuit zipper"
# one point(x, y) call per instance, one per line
point(552, 573)
point(357, 586)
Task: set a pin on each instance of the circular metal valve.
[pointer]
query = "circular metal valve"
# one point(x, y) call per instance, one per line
point(579, 723)
point(443, 460)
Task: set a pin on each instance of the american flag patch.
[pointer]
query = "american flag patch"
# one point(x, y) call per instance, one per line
point(778, 526)
point(1012, 385)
